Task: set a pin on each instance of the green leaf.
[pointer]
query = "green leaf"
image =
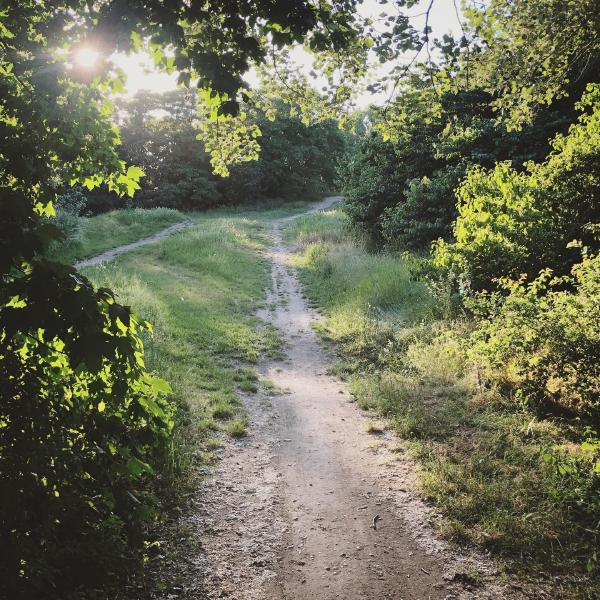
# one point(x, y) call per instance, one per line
point(136, 467)
point(160, 385)
point(135, 173)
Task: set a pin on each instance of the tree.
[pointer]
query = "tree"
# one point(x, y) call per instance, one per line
point(296, 161)
point(512, 224)
point(402, 191)
point(83, 424)
point(159, 134)
point(534, 52)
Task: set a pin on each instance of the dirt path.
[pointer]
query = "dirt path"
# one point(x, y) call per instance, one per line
point(114, 252)
point(288, 511)
point(335, 480)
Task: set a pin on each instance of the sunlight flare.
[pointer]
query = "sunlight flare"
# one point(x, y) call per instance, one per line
point(87, 57)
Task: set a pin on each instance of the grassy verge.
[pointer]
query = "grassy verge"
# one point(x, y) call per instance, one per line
point(200, 289)
point(103, 232)
point(484, 463)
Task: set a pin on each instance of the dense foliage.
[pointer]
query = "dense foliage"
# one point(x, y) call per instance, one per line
point(541, 341)
point(84, 428)
point(160, 134)
point(535, 52)
point(490, 159)
point(512, 223)
point(82, 423)
point(296, 161)
point(401, 191)
point(476, 401)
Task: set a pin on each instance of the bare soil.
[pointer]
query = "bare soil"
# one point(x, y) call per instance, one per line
point(311, 505)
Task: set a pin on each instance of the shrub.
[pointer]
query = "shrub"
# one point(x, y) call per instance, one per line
point(191, 191)
point(511, 223)
point(83, 431)
point(426, 214)
point(401, 192)
point(542, 342)
point(372, 180)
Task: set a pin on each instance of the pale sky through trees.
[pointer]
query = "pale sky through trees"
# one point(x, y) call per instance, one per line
point(141, 74)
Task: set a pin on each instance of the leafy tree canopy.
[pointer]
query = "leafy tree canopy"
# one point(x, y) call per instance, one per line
point(532, 52)
point(83, 426)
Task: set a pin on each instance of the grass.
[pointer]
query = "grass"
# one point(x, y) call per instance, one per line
point(200, 289)
point(115, 228)
point(238, 428)
point(483, 462)
point(375, 428)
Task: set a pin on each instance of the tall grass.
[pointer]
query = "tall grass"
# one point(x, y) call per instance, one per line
point(484, 462)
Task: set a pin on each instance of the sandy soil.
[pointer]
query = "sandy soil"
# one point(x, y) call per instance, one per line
point(311, 505)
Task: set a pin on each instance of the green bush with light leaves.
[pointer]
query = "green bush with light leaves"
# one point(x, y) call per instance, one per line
point(541, 342)
point(402, 192)
point(511, 223)
point(540, 347)
point(83, 426)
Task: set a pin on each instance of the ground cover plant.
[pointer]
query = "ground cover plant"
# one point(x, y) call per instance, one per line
point(505, 475)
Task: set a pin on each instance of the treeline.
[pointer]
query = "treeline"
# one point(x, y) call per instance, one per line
point(489, 171)
point(504, 209)
point(159, 134)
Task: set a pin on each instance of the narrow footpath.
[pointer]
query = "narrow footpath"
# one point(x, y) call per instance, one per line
point(311, 505)
point(114, 252)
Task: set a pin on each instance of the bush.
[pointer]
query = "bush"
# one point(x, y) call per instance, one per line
point(512, 223)
point(190, 192)
point(101, 200)
point(84, 431)
point(526, 488)
point(296, 161)
point(401, 192)
point(427, 212)
point(542, 342)
point(372, 180)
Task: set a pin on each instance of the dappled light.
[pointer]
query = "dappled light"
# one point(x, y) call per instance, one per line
point(300, 300)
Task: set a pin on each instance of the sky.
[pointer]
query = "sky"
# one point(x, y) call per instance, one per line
point(141, 74)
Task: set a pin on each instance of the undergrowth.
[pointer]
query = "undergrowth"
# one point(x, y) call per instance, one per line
point(504, 477)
